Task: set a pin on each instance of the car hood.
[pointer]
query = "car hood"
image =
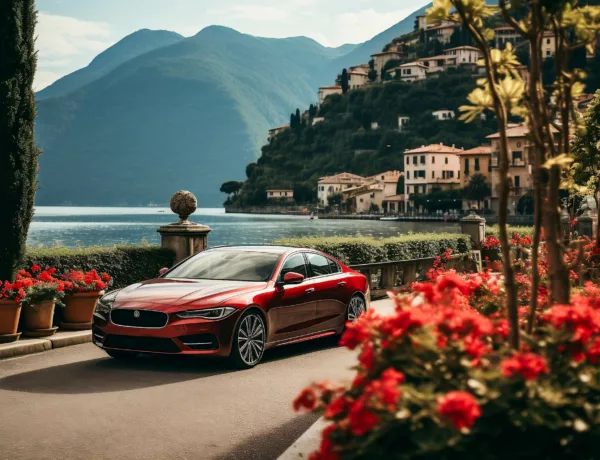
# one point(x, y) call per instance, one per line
point(183, 293)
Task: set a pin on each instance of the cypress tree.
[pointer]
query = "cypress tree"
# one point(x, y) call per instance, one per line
point(344, 81)
point(18, 152)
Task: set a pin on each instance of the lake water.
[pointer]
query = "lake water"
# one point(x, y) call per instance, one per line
point(96, 226)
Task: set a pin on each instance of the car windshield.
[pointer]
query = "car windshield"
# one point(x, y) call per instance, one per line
point(229, 264)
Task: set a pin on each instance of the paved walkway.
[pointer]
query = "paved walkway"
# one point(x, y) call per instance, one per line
point(76, 403)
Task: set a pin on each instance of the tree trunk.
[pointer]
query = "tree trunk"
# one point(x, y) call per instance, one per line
point(18, 153)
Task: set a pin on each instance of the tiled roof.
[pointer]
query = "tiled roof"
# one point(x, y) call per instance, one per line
point(435, 58)
point(444, 26)
point(435, 148)
point(394, 198)
point(411, 64)
point(342, 178)
point(520, 130)
point(483, 150)
point(279, 190)
point(470, 48)
point(506, 28)
point(331, 87)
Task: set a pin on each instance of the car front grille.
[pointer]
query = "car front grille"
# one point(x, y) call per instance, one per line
point(139, 318)
point(150, 344)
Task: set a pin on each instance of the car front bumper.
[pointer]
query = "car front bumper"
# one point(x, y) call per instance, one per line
point(192, 336)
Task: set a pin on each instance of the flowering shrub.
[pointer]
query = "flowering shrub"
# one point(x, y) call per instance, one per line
point(490, 242)
point(42, 285)
point(78, 281)
point(437, 379)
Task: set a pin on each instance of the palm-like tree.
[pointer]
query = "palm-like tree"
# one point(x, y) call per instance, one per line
point(477, 189)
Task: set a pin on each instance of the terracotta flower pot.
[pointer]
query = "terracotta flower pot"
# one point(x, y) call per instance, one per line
point(10, 311)
point(38, 317)
point(79, 310)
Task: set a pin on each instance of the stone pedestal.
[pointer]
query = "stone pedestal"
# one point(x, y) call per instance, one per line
point(474, 226)
point(564, 224)
point(184, 239)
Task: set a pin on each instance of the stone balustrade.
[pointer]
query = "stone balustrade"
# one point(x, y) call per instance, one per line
point(389, 276)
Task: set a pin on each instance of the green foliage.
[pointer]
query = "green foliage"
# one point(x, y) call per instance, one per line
point(439, 200)
point(231, 186)
point(345, 142)
point(585, 171)
point(526, 203)
point(126, 264)
point(344, 81)
point(365, 250)
point(494, 230)
point(18, 152)
point(477, 189)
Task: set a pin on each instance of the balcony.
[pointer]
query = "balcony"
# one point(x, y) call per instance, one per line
point(518, 163)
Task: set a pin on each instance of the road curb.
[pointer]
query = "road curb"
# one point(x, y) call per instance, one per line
point(307, 443)
point(29, 346)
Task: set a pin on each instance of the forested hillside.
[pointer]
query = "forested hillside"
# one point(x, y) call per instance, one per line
point(345, 140)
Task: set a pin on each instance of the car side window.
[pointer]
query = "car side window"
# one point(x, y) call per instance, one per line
point(319, 265)
point(294, 264)
point(334, 267)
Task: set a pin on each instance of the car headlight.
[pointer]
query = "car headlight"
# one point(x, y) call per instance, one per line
point(105, 304)
point(210, 313)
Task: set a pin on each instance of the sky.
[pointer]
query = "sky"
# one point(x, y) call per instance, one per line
point(72, 32)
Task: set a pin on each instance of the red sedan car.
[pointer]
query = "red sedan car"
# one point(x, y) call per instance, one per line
point(234, 302)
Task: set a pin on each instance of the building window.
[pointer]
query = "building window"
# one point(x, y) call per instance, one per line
point(422, 159)
point(423, 189)
point(433, 174)
point(517, 157)
point(466, 166)
point(517, 181)
point(407, 160)
point(408, 174)
point(446, 160)
point(548, 41)
point(432, 159)
point(518, 145)
point(477, 168)
point(415, 160)
point(270, 193)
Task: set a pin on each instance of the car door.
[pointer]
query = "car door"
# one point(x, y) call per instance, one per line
point(294, 306)
point(330, 291)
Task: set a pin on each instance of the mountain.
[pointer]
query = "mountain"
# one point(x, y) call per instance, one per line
point(141, 122)
point(186, 116)
point(131, 46)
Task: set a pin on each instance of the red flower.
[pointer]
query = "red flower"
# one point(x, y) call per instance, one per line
point(361, 419)
point(45, 276)
point(307, 399)
point(337, 407)
point(105, 277)
point(367, 355)
point(36, 268)
point(529, 365)
point(326, 449)
point(460, 408)
point(593, 352)
point(359, 331)
point(386, 389)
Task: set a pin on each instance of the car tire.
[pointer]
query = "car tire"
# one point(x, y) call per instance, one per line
point(249, 341)
point(118, 354)
point(356, 307)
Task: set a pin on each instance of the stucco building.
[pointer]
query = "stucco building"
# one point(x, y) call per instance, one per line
point(381, 59)
point(325, 91)
point(410, 72)
point(329, 186)
point(430, 168)
point(476, 161)
point(275, 131)
point(280, 195)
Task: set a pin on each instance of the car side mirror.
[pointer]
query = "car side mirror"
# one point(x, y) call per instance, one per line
point(163, 271)
point(293, 278)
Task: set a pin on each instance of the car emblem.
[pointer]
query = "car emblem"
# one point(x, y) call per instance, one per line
point(136, 314)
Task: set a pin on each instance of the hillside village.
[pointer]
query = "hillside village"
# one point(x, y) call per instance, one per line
point(429, 177)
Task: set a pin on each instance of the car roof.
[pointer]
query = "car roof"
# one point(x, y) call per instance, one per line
point(273, 249)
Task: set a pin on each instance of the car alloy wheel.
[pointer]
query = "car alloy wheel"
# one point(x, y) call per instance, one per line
point(356, 307)
point(250, 340)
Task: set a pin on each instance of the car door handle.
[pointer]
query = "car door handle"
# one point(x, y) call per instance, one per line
point(310, 290)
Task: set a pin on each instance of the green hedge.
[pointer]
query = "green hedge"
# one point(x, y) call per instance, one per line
point(126, 264)
point(364, 250)
point(522, 231)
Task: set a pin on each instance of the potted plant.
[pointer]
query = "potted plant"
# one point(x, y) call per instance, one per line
point(42, 296)
point(490, 249)
point(11, 296)
point(82, 293)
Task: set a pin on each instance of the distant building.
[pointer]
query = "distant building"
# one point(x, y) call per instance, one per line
point(465, 55)
point(317, 120)
point(280, 195)
point(332, 185)
point(403, 122)
point(374, 125)
point(441, 32)
point(395, 204)
point(381, 59)
point(374, 191)
point(357, 77)
point(421, 22)
point(325, 91)
point(506, 34)
point(430, 168)
point(388, 179)
point(443, 115)
point(439, 63)
point(275, 131)
point(476, 161)
point(549, 45)
point(410, 72)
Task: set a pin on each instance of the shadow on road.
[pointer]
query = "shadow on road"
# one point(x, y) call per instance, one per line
point(270, 444)
point(303, 348)
point(107, 375)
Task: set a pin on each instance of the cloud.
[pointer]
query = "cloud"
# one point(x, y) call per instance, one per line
point(65, 44)
point(359, 26)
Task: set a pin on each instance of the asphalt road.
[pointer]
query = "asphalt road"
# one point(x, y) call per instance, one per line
point(77, 403)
